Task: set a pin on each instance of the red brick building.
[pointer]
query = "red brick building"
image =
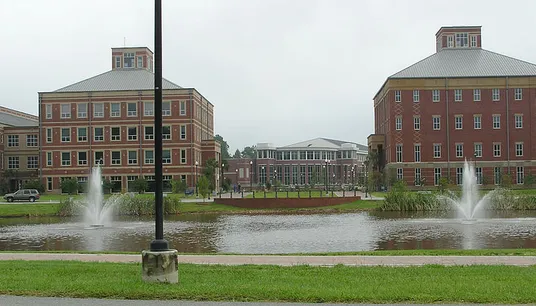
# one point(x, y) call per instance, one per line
point(108, 120)
point(462, 102)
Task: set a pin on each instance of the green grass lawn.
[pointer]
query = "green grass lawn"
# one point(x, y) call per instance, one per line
point(24, 210)
point(339, 284)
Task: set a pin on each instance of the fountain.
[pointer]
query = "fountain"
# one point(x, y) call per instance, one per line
point(469, 205)
point(97, 211)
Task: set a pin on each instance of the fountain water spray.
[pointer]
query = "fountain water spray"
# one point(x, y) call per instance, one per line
point(469, 204)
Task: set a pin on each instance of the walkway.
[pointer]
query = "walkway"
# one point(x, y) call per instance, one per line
point(289, 260)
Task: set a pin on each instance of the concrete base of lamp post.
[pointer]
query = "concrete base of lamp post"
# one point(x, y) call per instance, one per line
point(160, 266)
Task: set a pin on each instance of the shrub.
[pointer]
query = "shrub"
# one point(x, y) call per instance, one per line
point(140, 185)
point(70, 186)
point(34, 184)
point(178, 186)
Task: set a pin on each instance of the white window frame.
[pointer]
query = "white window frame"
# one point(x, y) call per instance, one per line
point(462, 40)
point(520, 175)
point(458, 122)
point(49, 159)
point(97, 138)
point(418, 177)
point(118, 62)
point(416, 95)
point(65, 163)
point(132, 161)
point(473, 41)
point(115, 113)
point(65, 138)
point(81, 138)
point(182, 111)
point(166, 136)
point(477, 146)
point(417, 123)
point(129, 56)
point(148, 136)
point(13, 162)
point(146, 159)
point(166, 157)
point(477, 95)
point(399, 174)
point(398, 96)
point(399, 152)
point(81, 162)
point(519, 149)
point(450, 41)
point(81, 113)
point(496, 149)
point(496, 94)
point(398, 123)
point(48, 111)
point(166, 108)
point(436, 96)
point(183, 156)
point(148, 108)
point(98, 161)
point(96, 112)
point(48, 135)
point(436, 123)
point(417, 152)
point(65, 115)
point(458, 95)
point(115, 161)
point(437, 150)
point(459, 150)
point(183, 132)
point(132, 137)
point(437, 176)
point(477, 122)
point(518, 120)
point(139, 61)
point(496, 119)
point(32, 141)
point(132, 113)
point(518, 94)
point(115, 137)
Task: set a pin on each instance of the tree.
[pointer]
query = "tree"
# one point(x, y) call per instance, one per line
point(506, 180)
point(140, 185)
point(178, 186)
point(224, 146)
point(34, 184)
point(69, 186)
point(203, 186)
point(529, 180)
point(210, 172)
point(107, 186)
point(237, 154)
point(249, 152)
point(443, 185)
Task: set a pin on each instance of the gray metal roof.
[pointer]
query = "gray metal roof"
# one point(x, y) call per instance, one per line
point(119, 79)
point(323, 143)
point(449, 63)
point(12, 120)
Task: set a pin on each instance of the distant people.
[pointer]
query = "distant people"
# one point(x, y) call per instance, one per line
point(239, 188)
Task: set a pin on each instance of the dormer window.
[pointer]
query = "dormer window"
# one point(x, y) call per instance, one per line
point(118, 62)
point(128, 60)
point(140, 61)
point(450, 41)
point(462, 40)
point(474, 43)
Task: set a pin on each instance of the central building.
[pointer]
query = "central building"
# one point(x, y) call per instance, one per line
point(108, 121)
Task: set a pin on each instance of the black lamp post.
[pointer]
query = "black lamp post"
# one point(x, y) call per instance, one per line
point(196, 191)
point(251, 175)
point(475, 156)
point(222, 179)
point(275, 181)
point(236, 172)
point(263, 179)
point(326, 175)
point(158, 244)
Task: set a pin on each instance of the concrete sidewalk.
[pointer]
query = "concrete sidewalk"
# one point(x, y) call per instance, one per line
point(290, 260)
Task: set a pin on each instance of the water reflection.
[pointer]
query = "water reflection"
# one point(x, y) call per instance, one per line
point(278, 233)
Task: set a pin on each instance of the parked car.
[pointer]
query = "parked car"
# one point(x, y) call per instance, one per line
point(23, 195)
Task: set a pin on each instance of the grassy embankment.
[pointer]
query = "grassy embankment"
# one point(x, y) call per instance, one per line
point(339, 284)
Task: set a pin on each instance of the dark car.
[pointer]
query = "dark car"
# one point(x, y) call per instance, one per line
point(23, 195)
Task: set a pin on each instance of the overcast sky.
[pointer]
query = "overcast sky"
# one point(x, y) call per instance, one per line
point(279, 71)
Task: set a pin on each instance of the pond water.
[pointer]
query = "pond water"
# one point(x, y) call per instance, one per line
point(250, 234)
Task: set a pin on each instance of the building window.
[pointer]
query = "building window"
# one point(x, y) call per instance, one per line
point(128, 60)
point(478, 173)
point(132, 157)
point(518, 121)
point(461, 40)
point(117, 62)
point(398, 152)
point(496, 94)
point(519, 149)
point(99, 158)
point(459, 176)
point(415, 95)
point(518, 93)
point(166, 156)
point(115, 133)
point(148, 108)
point(183, 132)
point(450, 41)
point(48, 135)
point(435, 95)
point(496, 122)
point(49, 184)
point(166, 108)
point(457, 95)
point(65, 135)
point(65, 158)
point(149, 156)
point(496, 175)
point(81, 110)
point(98, 110)
point(496, 150)
point(476, 94)
point(458, 122)
point(398, 123)
point(398, 96)
point(82, 134)
point(116, 158)
point(82, 158)
point(478, 149)
point(437, 150)
point(477, 120)
point(399, 174)
point(132, 133)
point(132, 109)
point(115, 110)
point(183, 156)
point(416, 123)
point(166, 132)
point(13, 162)
point(417, 151)
point(437, 176)
point(65, 111)
point(98, 134)
point(48, 111)
point(49, 159)
point(12, 140)
point(418, 180)
point(31, 141)
point(520, 175)
point(149, 133)
point(140, 61)
point(436, 123)
point(183, 108)
point(473, 41)
point(459, 150)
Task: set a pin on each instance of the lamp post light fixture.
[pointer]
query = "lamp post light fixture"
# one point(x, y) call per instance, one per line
point(275, 181)
point(222, 179)
point(263, 179)
point(196, 191)
point(236, 178)
point(251, 175)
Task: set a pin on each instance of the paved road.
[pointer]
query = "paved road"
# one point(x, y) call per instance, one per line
point(288, 260)
point(45, 301)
